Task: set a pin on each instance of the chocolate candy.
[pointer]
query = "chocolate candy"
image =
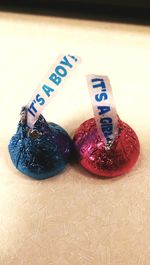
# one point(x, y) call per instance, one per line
point(106, 160)
point(41, 152)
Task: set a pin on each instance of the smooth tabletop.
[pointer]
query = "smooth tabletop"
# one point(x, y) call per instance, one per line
point(74, 218)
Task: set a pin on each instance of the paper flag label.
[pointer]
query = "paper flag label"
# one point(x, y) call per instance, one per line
point(50, 86)
point(103, 106)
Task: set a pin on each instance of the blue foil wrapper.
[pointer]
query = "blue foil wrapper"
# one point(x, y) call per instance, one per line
point(42, 152)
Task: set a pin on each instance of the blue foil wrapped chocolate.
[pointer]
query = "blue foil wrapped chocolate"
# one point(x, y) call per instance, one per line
point(41, 152)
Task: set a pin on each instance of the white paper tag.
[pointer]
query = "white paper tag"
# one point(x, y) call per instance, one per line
point(51, 84)
point(103, 106)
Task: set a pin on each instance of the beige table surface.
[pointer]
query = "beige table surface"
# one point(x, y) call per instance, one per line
point(73, 218)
